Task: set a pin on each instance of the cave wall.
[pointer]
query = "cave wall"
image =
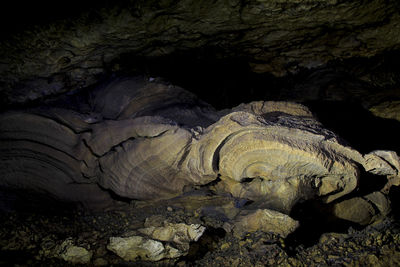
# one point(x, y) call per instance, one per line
point(75, 45)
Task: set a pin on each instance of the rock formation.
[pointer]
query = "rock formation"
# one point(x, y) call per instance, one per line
point(147, 141)
point(274, 36)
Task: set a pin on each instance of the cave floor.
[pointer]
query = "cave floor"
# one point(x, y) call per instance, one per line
point(30, 238)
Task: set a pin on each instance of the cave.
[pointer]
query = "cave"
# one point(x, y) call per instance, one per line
point(200, 133)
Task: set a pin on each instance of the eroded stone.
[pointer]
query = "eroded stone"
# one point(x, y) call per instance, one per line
point(264, 220)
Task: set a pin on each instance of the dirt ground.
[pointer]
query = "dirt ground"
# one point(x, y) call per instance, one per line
point(29, 238)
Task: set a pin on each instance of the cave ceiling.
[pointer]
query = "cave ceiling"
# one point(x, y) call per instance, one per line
point(50, 50)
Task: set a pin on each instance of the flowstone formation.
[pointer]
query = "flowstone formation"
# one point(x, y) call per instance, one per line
point(149, 141)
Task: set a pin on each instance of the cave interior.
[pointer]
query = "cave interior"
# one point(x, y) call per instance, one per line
point(344, 68)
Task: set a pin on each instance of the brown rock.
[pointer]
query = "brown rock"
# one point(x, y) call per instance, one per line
point(264, 220)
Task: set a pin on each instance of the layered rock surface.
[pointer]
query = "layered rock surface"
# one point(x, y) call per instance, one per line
point(149, 141)
point(273, 36)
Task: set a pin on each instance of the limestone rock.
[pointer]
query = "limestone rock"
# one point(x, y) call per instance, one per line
point(276, 36)
point(387, 110)
point(100, 262)
point(178, 233)
point(275, 153)
point(74, 254)
point(380, 202)
point(356, 210)
point(125, 98)
point(264, 220)
point(363, 210)
point(382, 162)
point(41, 154)
point(137, 247)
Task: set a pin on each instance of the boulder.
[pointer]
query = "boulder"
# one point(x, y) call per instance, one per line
point(137, 247)
point(74, 254)
point(264, 220)
point(363, 210)
point(178, 233)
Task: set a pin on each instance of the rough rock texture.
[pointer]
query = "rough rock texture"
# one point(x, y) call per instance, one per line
point(181, 234)
point(157, 240)
point(23, 238)
point(363, 210)
point(74, 254)
point(153, 141)
point(385, 163)
point(273, 36)
point(266, 221)
point(270, 151)
point(134, 247)
point(387, 110)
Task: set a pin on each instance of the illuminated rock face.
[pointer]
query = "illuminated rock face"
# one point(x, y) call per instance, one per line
point(145, 140)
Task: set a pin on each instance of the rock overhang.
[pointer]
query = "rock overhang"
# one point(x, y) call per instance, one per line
point(277, 37)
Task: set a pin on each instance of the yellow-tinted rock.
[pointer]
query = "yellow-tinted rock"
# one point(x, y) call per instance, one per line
point(134, 247)
point(387, 110)
point(264, 220)
point(356, 210)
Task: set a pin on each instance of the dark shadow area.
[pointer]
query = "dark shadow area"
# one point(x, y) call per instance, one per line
point(360, 128)
point(207, 242)
point(15, 258)
point(27, 201)
point(315, 219)
point(394, 197)
point(19, 15)
point(221, 82)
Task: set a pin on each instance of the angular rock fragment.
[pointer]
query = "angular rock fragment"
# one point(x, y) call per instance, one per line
point(264, 220)
point(383, 162)
point(178, 233)
point(73, 254)
point(137, 247)
point(159, 234)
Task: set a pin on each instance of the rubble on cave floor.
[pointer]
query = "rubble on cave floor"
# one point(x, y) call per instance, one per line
point(76, 237)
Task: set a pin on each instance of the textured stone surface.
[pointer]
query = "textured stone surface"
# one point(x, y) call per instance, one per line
point(386, 163)
point(178, 233)
point(264, 220)
point(151, 140)
point(76, 255)
point(137, 247)
point(363, 210)
point(274, 36)
point(387, 110)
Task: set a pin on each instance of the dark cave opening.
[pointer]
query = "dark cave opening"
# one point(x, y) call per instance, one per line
point(207, 73)
point(356, 125)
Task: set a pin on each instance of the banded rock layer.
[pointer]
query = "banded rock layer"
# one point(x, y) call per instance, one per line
point(145, 140)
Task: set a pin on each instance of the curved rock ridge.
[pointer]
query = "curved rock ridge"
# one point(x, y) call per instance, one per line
point(275, 153)
point(285, 159)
